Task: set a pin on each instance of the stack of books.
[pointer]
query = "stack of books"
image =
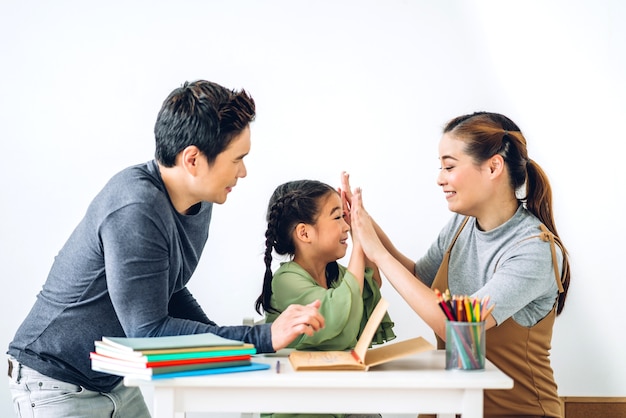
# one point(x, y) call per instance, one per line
point(172, 356)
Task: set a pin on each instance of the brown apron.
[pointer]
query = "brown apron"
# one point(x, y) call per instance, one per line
point(523, 353)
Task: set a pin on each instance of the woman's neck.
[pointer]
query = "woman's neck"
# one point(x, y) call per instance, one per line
point(497, 214)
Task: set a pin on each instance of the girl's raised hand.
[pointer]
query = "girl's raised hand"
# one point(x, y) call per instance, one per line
point(346, 196)
point(345, 185)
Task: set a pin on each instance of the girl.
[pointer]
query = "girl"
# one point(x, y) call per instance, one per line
point(502, 242)
point(305, 220)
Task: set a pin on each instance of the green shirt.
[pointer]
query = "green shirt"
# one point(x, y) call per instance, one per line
point(344, 308)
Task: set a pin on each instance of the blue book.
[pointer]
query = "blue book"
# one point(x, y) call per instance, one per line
point(249, 368)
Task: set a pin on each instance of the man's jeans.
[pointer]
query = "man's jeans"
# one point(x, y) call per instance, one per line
point(38, 396)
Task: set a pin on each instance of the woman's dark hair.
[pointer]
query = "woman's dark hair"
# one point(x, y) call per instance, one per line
point(204, 114)
point(486, 134)
point(291, 203)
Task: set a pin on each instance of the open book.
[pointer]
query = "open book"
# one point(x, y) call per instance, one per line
point(360, 358)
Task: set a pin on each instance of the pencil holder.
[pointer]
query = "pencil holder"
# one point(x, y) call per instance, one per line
point(465, 345)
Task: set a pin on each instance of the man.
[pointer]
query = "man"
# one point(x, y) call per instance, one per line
point(124, 269)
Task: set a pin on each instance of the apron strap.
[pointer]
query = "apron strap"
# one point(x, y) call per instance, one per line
point(548, 236)
point(457, 234)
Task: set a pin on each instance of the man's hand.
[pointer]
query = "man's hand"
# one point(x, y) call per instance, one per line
point(294, 321)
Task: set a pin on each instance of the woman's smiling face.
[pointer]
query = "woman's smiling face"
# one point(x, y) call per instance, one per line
point(462, 181)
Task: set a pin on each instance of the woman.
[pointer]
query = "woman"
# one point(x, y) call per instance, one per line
point(502, 242)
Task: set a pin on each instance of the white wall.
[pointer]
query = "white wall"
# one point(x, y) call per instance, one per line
point(358, 85)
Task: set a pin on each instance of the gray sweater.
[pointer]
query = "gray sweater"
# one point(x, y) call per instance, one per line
point(122, 272)
point(510, 263)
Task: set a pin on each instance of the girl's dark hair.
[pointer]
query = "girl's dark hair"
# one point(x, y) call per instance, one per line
point(486, 134)
point(291, 203)
point(204, 114)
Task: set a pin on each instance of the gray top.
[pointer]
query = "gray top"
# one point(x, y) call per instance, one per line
point(122, 272)
point(515, 271)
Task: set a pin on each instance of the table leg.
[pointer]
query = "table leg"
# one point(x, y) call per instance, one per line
point(163, 403)
point(472, 403)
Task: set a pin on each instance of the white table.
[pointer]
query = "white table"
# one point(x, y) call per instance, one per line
point(416, 384)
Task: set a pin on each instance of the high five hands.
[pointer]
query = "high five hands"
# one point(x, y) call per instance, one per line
point(361, 223)
point(346, 196)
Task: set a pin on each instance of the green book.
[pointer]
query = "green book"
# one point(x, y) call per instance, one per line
point(139, 356)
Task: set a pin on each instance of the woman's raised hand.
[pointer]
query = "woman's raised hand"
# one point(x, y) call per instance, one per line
point(363, 227)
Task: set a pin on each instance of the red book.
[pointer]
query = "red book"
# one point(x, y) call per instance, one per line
point(166, 363)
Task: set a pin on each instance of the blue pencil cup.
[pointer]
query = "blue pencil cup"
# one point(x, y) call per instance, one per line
point(465, 345)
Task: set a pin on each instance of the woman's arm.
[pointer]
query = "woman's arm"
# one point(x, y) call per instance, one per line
point(406, 262)
point(375, 272)
point(420, 297)
point(346, 194)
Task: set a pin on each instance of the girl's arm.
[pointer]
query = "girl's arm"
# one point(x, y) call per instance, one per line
point(356, 266)
point(358, 261)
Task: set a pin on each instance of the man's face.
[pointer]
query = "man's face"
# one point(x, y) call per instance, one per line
point(215, 181)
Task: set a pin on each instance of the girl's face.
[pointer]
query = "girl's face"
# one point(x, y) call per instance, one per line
point(331, 230)
point(465, 184)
